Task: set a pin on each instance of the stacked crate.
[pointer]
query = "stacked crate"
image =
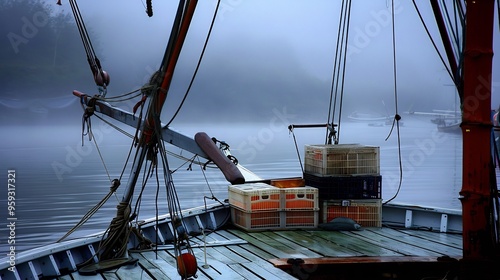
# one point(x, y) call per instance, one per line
point(348, 179)
point(260, 206)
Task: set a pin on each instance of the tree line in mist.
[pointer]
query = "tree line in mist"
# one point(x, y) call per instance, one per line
point(41, 48)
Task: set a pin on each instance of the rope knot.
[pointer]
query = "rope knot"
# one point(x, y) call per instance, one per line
point(90, 109)
point(114, 185)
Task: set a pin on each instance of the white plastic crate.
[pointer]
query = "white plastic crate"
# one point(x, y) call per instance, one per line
point(342, 159)
point(255, 197)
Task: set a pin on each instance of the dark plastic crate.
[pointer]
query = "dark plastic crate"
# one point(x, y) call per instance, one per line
point(346, 187)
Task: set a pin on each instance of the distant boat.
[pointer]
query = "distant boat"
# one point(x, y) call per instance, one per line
point(449, 126)
point(367, 117)
point(446, 120)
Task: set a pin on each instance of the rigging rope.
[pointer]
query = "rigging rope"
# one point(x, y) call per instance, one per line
point(149, 9)
point(114, 186)
point(87, 113)
point(290, 129)
point(198, 64)
point(101, 77)
point(453, 28)
point(115, 183)
point(339, 67)
point(114, 242)
point(434, 45)
point(397, 117)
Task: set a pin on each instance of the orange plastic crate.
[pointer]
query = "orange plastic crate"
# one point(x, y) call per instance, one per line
point(301, 219)
point(288, 183)
point(304, 198)
point(256, 220)
point(274, 220)
point(366, 212)
point(255, 197)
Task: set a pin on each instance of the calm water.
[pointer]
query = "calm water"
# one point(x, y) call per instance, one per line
point(58, 180)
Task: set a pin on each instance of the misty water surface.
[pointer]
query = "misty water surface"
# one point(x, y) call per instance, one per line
point(58, 180)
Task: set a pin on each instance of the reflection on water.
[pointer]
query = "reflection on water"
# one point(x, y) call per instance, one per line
point(58, 180)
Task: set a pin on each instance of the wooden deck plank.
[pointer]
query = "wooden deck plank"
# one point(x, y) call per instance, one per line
point(454, 240)
point(219, 236)
point(283, 252)
point(233, 260)
point(252, 253)
point(257, 257)
point(349, 240)
point(243, 271)
point(212, 253)
point(235, 257)
point(322, 246)
point(209, 238)
point(416, 241)
point(78, 276)
point(110, 275)
point(228, 235)
point(213, 240)
point(391, 244)
point(245, 256)
point(216, 269)
point(276, 239)
point(132, 272)
point(168, 256)
point(274, 273)
point(151, 268)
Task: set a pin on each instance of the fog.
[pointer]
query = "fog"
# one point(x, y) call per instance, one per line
point(262, 56)
point(268, 64)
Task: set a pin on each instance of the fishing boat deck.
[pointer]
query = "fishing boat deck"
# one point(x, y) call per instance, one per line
point(295, 254)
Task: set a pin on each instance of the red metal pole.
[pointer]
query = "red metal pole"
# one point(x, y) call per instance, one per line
point(146, 136)
point(167, 79)
point(476, 130)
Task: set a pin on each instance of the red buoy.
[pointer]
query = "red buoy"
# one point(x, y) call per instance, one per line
point(186, 265)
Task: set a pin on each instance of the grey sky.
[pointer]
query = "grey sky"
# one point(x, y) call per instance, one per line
point(279, 35)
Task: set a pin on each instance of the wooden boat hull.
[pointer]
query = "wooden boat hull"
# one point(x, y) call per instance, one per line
point(440, 228)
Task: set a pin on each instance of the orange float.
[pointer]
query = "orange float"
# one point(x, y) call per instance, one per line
point(186, 265)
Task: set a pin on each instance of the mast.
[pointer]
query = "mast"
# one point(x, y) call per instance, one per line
point(476, 127)
point(116, 240)
point(156, 105)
